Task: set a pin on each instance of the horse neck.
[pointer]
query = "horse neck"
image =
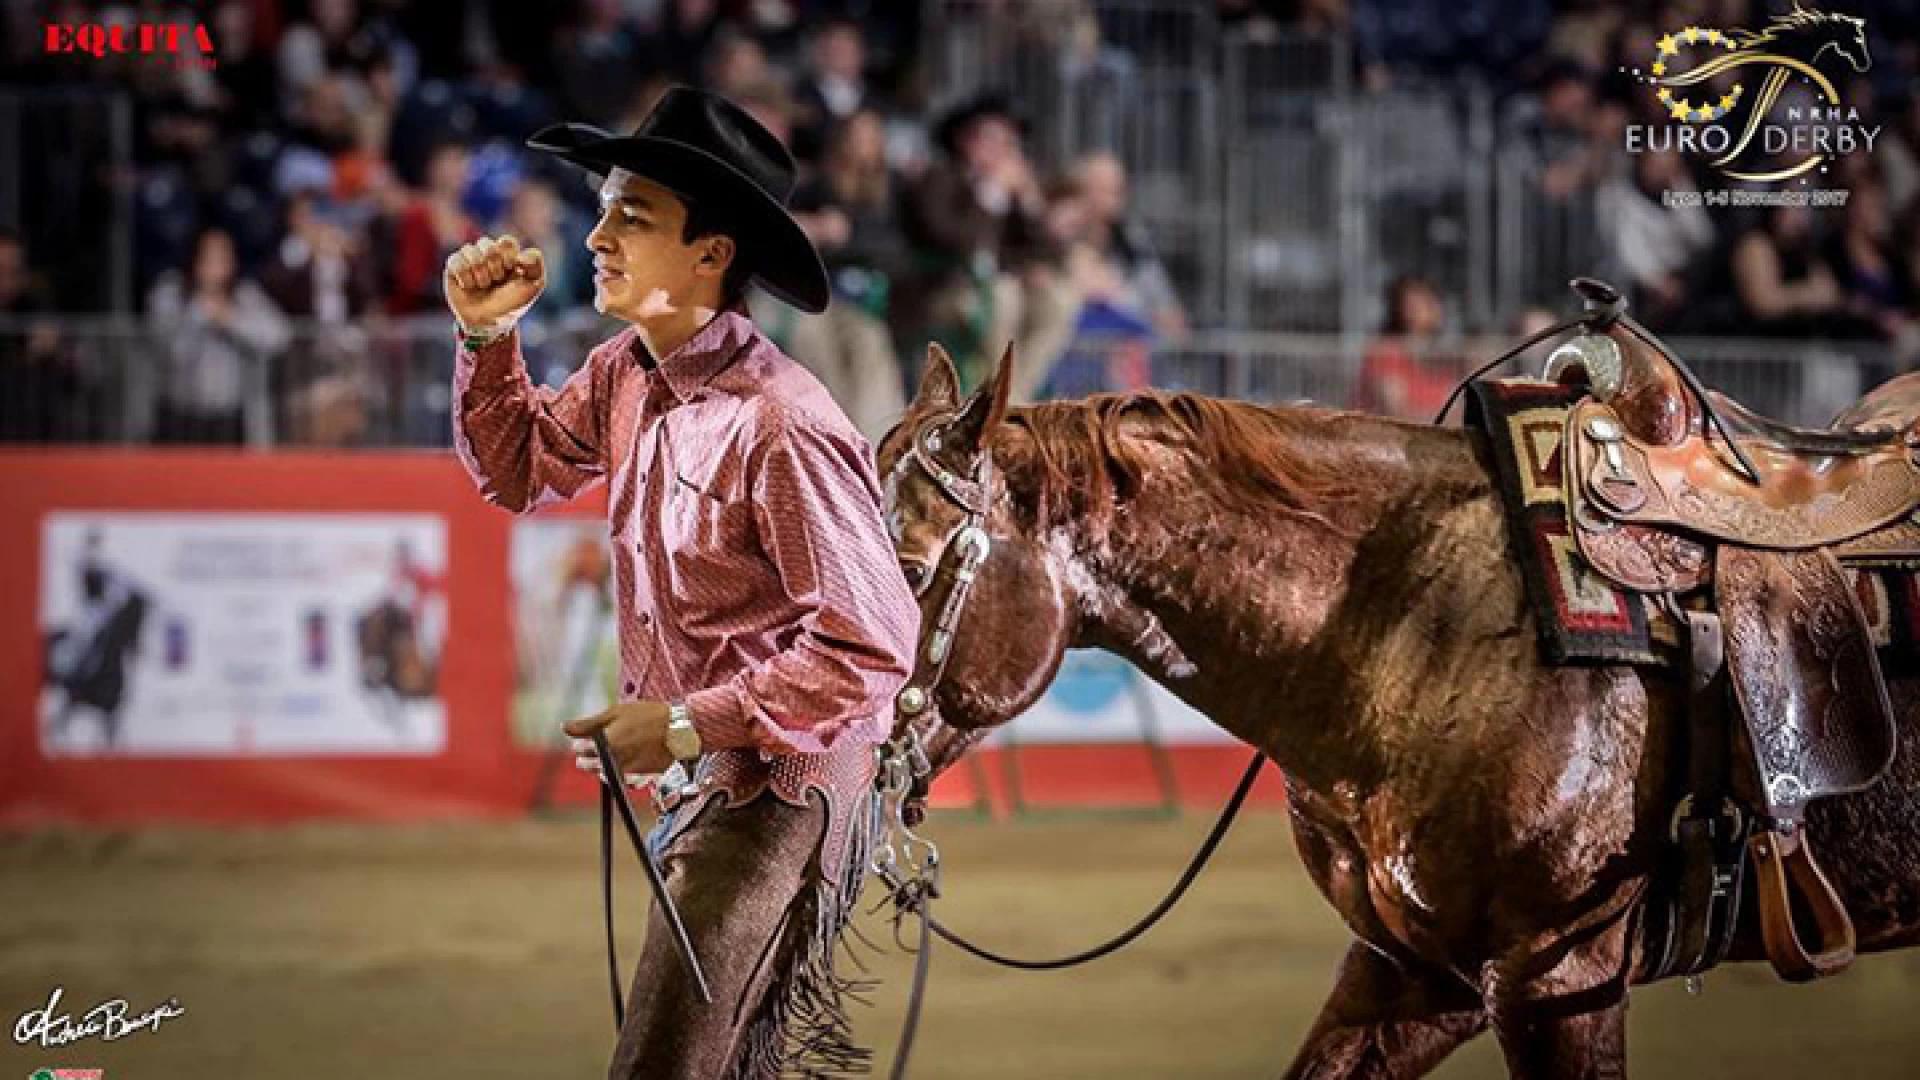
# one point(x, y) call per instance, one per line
point(1231, 606)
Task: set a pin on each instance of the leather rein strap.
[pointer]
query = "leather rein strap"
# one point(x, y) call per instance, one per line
point(613, 796)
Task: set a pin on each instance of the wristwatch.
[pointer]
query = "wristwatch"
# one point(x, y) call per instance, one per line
point(683, 739)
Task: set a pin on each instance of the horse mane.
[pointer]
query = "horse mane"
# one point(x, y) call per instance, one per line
point(1799, 20)
point(1090, 455)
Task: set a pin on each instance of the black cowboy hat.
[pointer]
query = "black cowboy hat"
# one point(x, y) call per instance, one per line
point(705, 148)
point(946, 133)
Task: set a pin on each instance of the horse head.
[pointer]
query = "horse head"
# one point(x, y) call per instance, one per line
point(995, 618)
point(1809, 33)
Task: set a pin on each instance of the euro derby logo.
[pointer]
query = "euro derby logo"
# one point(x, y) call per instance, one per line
point(1751, 133)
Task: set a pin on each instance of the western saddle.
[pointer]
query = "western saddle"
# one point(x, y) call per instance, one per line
point(1741, 527)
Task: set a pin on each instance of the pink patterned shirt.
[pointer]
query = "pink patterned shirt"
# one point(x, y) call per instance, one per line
point(755, 577)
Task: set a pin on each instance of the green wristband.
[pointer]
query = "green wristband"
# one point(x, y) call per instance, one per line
point(472, 340)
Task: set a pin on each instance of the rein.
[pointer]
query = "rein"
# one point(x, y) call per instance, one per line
point(613, 796)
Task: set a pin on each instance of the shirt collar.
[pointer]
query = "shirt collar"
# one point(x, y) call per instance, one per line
point(702, 356)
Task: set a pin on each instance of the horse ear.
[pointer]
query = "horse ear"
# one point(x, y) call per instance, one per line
point(940, 385)
point(987, 407)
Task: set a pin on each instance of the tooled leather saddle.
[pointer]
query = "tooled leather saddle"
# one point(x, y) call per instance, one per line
point(1743, 526)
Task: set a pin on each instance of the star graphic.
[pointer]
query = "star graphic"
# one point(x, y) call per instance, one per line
point(1660, 68)
point(1713, 37)
point(1692, 34)
point(1679, 110)
point(1668, 47)
point(1726, 103)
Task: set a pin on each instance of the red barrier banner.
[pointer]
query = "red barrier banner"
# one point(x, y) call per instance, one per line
point(221, 636)
point(235, 637)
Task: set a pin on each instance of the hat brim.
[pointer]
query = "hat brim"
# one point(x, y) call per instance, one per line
point(946, 132)
point(784, 260)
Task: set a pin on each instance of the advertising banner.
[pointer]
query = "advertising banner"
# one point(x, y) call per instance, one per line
point(242, 634)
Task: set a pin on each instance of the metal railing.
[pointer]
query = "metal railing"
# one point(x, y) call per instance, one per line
point(389, 383)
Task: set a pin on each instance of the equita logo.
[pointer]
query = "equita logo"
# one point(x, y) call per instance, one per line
point(68, 1074)
point(179, 44)
point(1760, 105)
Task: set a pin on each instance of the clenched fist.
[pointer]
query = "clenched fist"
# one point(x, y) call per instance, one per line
point(491, 283)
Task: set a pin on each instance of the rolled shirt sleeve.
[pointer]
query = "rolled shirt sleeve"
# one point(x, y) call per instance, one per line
point(818, 513)
point(526, 446)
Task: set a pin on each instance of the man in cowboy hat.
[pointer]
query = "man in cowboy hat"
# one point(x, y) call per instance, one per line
point(764, 623)
point(986, 259)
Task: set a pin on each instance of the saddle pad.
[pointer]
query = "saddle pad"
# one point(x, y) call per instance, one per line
point(1582, 616)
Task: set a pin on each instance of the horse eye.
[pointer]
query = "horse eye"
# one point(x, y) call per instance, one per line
point(916, 573)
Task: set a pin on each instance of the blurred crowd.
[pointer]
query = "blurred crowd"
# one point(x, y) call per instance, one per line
point(302, 193)
point(293, 203)
point(1567, 73)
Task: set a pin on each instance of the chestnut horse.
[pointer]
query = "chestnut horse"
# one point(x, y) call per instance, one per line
point(1338, 590)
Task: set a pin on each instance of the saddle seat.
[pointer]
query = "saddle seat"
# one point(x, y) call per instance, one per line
point(1675, 491)
point(1652, 453)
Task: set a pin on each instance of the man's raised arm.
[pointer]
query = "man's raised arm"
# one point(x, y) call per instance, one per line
point(525, 446)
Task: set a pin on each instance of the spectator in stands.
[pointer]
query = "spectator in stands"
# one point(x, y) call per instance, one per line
point(323, 127)
point(1111, 346)
point(433, 226)
point(245, 76)
point(330, 44)
point(985, 271)
point(1131, 275)
point(1655, 242)
point(48, 396)
point(219, 333)
point(1127, 299)
point(849, 211)
point(736, 64)
point(1260, 21)
point(1564, 133)
point(601, 62)
point(769, 102)
point(319, 271)
point(1865, 265)
point(835, 86)
point(322, 275)
point(1898, 155)
point(536, 218)
point(1401, 375)
point(684, 38)
point(1787, 285)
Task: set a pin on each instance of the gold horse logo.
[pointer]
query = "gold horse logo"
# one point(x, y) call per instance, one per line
point(1791, 43)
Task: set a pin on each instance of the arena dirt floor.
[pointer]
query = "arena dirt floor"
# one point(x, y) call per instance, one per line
point(473, 951)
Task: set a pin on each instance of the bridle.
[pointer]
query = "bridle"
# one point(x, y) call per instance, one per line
point(956, 564)
point(908, 863)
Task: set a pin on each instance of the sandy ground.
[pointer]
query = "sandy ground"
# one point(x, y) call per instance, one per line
point(472, 951)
